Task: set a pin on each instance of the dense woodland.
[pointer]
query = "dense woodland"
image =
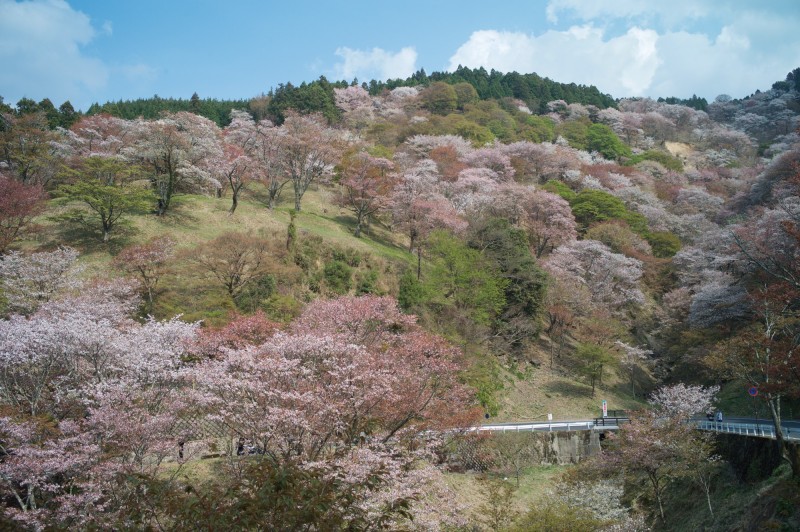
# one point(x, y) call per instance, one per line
point(313, 288)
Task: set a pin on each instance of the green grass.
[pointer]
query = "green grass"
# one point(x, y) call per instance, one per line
point(535, 484)
point(543, 391)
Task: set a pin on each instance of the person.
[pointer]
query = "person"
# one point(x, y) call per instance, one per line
point(719, 416)
point(710, 416)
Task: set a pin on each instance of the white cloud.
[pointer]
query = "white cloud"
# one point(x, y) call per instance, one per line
point(749, 52)
point(40, 51)
point(375, 64)
point(623, 65)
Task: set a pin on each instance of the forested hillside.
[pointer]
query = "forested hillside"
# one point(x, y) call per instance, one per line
point(312, 288)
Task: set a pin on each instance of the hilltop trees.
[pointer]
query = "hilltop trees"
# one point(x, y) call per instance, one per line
point(26, 149)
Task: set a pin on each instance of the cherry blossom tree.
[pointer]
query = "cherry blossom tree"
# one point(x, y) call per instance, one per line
point(99, 135)
point(180, 148)
point(307, 151)
point(656, 448)
point(494, 159)
point(41, 467)
point(366, 183)
point(681, 400)
point(241, 332)
point(357, 105)
point(235, 260)
point(418, 208)
point(632, 359)
point(30, 280)
point(148, 262)
point(299, 393)
point(19, 204)
point(238, 169)
point(611, 278)
point(548, 220)
point(261, 142)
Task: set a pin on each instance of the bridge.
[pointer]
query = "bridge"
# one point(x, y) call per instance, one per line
point(606, 423)
point(759, 428)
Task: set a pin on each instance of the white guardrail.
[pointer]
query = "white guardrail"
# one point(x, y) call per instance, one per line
point(558, 426)
point(759, 430)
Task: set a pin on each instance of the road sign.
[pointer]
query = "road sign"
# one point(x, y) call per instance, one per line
point(605, 408)
point(753, 391)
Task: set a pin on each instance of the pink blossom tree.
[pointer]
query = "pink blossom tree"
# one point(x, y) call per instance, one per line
point(181, 149)
point(30, 280)
point(366, 184)
point(611, 278)
point(19, 204)
point(307, 151)
point(681, 400)
point(148, 262)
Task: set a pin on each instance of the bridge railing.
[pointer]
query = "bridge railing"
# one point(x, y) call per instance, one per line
point(759, 430)
point(559, 426)
point(614, 421)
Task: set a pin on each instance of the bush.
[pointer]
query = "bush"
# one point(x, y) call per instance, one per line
point(368, 283)
point(603, 140)
point(255, 293)
point(664, 159)
point(282, 308)
point(664, 244)
point(411, 293)
point(338, 276)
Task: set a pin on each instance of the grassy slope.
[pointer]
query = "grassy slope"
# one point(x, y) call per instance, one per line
point(535, 483)
point(196, 219)
point(526, 395)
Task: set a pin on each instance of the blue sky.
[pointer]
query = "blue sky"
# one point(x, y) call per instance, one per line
point(99, 50)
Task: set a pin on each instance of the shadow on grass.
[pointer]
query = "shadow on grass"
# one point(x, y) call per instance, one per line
point(570, 389)
point(643, 384)
point(179, 214)
point(90, 241)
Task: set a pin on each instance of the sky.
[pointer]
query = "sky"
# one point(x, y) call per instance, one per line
point(89, 51)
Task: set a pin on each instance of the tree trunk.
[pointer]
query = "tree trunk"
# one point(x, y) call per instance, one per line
point(657, 491)
point(789, 451)
point(234, 203)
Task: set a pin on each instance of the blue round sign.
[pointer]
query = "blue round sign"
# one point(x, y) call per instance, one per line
point(753, 391)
